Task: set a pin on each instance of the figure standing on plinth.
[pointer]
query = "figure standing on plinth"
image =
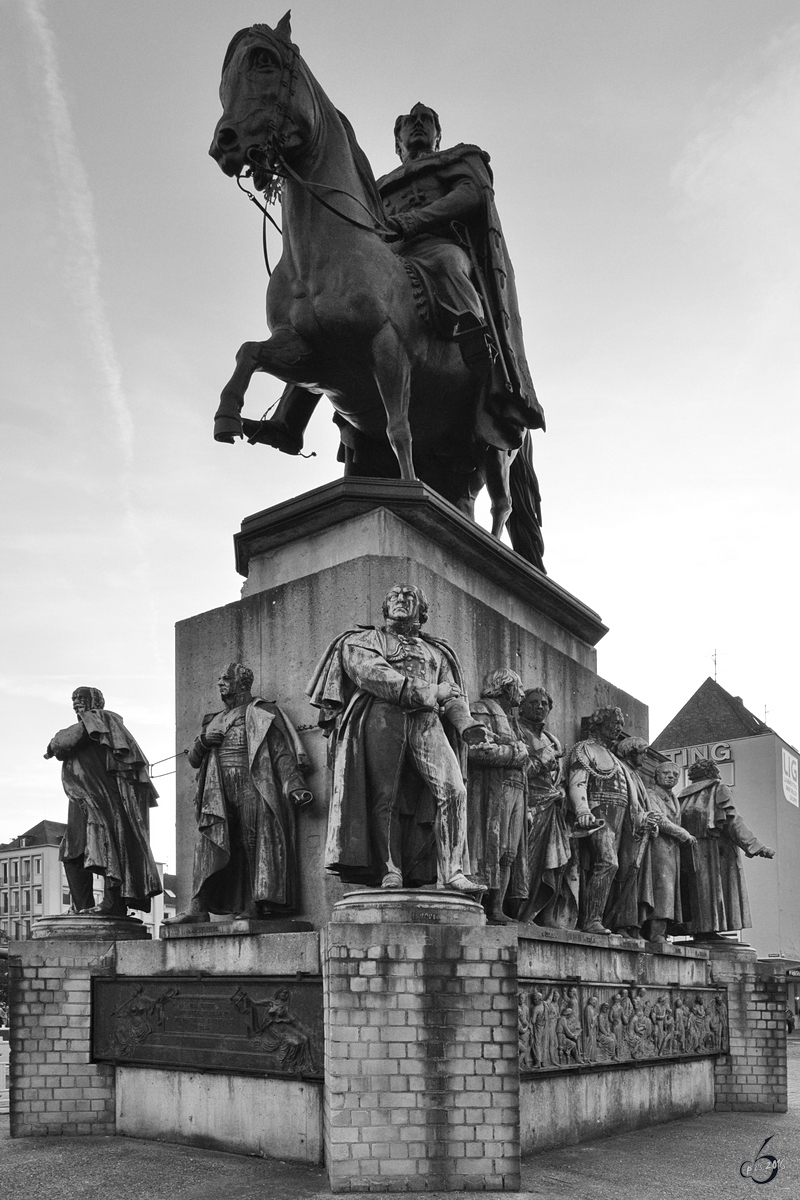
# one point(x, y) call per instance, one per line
point(630, 901)
point(714, 891)
point(597, 788)
point(106, 777)
point(552, 899)
point(496, 795)
point(250, 784)
point(392, 699)
point(665, 854)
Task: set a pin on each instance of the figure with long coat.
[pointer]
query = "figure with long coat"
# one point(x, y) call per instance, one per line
point(552, 899)
point(630, 902)
point(665, 854)
point(393, 703)
point(496, 795)
point(106, 778)
point(714, 894)
point(250, 784)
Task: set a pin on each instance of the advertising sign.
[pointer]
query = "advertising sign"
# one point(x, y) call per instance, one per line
point(790, 778)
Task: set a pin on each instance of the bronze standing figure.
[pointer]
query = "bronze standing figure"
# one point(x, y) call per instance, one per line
point(106, 777)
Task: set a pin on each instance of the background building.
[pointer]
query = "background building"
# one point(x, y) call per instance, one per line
point(33, 883)
point(761, 770)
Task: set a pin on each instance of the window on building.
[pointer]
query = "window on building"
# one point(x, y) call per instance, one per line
point(65, 896)
point(37, 868)
point(4, 902)
point(26, 870)
point(15, 870)
point(37, 897)
point(4, 871)
point(26, 900)
point(15, 902)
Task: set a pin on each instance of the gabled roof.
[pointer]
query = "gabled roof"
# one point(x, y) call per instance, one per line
point(711, 715)
point(45, 833)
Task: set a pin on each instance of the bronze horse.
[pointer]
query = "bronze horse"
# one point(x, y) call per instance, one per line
point(341, 307)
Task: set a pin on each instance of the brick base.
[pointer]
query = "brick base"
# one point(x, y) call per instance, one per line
point(421, 1072)
point(752, 1077)
point(54, 1087)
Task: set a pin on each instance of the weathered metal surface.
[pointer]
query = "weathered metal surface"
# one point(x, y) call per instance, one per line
point(253, 1025)
point(565, 1026)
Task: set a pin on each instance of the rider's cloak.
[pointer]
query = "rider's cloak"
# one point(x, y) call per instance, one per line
point(510, 405)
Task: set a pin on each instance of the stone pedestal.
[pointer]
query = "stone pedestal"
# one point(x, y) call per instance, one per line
point(322, 563)
point(564, 1101)
point(80, 927)
point(243, 1113)
point(233, 928)
point(421, 1068)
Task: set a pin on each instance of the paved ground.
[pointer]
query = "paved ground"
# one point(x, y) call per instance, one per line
point(678, 1161)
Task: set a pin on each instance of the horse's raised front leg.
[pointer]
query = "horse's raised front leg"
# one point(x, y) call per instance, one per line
point(497, 468)
point(285, 355)
point(392, 372)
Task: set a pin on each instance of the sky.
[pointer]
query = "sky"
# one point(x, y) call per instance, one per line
point(646, 156)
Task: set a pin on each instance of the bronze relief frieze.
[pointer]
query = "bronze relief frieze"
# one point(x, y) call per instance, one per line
point(568, 1026)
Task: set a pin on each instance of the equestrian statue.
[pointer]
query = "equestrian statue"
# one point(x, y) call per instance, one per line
point(394, 299)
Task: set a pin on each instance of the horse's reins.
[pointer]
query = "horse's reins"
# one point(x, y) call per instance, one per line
point(272, 155)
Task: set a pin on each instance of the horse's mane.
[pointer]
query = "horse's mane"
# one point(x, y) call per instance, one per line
point(362, 165)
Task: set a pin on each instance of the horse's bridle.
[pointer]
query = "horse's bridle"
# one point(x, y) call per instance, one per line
point(273, 159)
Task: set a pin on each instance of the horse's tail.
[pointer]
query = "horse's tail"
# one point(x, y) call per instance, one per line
point(525, 522)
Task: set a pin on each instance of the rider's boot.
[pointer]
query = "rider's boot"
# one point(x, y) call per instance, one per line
point(285, 429)
point(475, 342)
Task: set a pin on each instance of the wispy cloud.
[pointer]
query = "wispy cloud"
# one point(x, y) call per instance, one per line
point(76, 197)
point(740, 174)
point(77, 207)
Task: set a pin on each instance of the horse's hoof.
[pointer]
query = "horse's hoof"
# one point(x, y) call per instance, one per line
point(227, 429)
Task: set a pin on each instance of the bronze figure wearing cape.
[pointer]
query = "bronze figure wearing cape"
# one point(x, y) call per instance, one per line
point(356, 320)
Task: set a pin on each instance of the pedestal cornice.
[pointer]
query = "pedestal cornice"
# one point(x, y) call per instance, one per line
point(424, 510)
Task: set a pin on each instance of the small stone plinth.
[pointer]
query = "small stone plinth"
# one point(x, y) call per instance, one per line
point(234, 928)
point(426, 906)
point(421, 1045)
point(89, 927)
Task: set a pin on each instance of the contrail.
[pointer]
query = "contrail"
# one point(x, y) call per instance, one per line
point(77, 199)
point(78, 207)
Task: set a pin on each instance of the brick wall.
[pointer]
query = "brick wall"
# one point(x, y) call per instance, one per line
point(752, 1077)
point(54, 1087)
point(422, 1074)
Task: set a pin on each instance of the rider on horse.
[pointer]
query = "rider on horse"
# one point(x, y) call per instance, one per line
point(440, 207)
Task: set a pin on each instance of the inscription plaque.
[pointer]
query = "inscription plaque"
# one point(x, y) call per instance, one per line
point(251, 1025)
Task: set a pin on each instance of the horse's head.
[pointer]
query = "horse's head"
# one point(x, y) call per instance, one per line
point(264, 109)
